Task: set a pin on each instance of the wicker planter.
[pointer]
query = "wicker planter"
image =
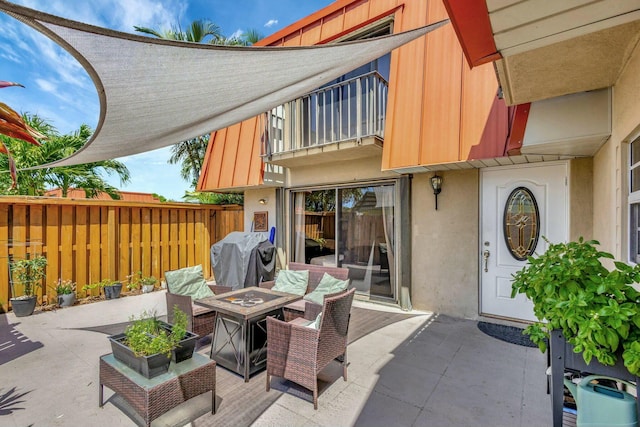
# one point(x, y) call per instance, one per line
point(24, 306)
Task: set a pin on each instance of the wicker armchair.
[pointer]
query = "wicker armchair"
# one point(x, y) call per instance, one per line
point(201, 321)
point(298, 353)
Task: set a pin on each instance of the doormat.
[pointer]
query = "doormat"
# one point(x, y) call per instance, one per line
point(510, 334)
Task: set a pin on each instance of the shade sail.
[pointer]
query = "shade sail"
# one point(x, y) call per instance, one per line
point(154, 93)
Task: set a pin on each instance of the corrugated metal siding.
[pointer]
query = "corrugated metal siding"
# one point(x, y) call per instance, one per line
point(437, 108)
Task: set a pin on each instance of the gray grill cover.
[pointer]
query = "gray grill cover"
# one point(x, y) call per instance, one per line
point(243, 259)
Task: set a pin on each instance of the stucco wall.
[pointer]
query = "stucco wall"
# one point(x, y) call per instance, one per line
point(581, 199)
point(445, 244)
point(252, 205)
point(342, 172)
point(610, 163)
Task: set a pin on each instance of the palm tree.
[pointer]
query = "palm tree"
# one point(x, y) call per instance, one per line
point(88, 176)
point(197, 32)
point(190, 153)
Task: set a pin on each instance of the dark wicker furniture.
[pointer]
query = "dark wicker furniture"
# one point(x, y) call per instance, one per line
point(153, 397)
point(298, 353)
point(298, 308)
point(239, 339)
point(201, 320)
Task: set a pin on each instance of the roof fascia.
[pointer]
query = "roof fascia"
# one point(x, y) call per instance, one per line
point(470, 20)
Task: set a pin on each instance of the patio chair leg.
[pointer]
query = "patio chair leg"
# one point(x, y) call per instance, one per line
point(344, 366)
point(268, 382)
point(315, 398)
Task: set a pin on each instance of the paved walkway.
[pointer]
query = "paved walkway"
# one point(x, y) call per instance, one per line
point(427, 370)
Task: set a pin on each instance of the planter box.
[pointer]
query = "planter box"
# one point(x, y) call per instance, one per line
point(148, 366)
point(156, 364)
point(562, 357)
point(186, 346)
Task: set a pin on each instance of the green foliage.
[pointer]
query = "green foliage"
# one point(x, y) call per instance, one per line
point(136, 280)
point(34, 182)
point(106, 282)
point(213, 198)
point(596, 309)
point(65, 287)
point(29, 272)
point(146, 336)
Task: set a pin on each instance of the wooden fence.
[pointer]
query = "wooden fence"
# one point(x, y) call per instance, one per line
point(90, 240)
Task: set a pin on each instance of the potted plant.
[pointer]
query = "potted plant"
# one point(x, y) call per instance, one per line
point(28, 272)
point(139, 281)
point(148, 344)
point(596, 308)
point(112, 288)
point(66, 292)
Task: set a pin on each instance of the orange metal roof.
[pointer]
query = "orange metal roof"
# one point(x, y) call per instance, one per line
point(129, 196)
point(438, 109)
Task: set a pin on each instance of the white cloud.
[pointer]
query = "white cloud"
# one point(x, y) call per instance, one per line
point(46, 85)
point(271, 22)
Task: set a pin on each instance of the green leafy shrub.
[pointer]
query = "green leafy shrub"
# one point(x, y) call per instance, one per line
point(597, 309)
point(29, 272)
point(146, 336)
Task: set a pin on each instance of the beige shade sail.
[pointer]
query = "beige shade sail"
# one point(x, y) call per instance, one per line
point(154, 93)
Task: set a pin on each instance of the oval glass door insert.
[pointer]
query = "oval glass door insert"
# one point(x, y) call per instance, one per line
point(521, 223)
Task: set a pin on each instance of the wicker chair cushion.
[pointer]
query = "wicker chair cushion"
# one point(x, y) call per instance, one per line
point(312, 324)
point(188, 281)
point(297, 305)
point(328, 285)
point(292, 281)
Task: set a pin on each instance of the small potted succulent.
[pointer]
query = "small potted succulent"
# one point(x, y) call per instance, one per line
point(148, 344)
point(28, 273)
point(66, 292)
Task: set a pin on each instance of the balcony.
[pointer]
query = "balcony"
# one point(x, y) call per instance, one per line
point(343, 121)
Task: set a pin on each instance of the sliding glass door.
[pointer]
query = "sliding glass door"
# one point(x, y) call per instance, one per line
point(351, 227)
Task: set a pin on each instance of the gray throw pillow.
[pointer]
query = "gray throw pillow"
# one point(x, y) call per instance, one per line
point(188, 281)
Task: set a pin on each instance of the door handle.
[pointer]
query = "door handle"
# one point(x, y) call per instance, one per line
point(486, 254)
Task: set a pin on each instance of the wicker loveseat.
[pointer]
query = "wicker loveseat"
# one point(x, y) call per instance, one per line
point(297, 309)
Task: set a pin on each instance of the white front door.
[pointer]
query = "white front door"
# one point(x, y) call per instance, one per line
point(509, 227)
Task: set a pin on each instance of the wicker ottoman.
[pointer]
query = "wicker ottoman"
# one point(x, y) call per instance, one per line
point(153, 397)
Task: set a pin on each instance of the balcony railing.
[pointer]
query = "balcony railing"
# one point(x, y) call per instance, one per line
point(349, 110)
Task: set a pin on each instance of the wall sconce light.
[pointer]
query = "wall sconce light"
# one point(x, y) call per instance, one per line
point(436, 184)
point(263, 201)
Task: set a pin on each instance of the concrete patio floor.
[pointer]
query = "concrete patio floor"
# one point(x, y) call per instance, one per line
point(427, 370)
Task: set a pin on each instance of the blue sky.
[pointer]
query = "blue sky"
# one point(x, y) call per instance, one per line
point(59, 90)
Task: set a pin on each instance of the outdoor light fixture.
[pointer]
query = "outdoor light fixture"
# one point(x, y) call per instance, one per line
point(436, 184)
point(263, 201)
